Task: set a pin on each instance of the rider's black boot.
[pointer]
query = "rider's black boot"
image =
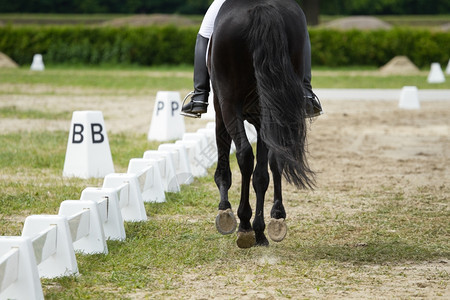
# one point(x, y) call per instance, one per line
point(199, 98)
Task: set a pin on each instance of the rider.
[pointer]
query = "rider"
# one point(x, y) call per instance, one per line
point(199, 97)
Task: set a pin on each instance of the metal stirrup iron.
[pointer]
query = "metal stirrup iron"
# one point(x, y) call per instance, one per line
point(190, 114)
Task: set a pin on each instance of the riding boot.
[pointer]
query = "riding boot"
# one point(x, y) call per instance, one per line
point(199, 97)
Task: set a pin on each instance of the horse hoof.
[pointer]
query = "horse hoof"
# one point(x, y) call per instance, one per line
point(246, 239)
point(226, 222)
point(277, 229)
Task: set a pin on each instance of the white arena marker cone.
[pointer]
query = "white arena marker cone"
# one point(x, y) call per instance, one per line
point(88, 153)
point(409, 98)
point(447, 70)
point(38, 63)
point(167, 123)
point(210, 113)
point(436, 75)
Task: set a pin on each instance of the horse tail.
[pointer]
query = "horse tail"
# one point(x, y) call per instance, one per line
point(281, 95)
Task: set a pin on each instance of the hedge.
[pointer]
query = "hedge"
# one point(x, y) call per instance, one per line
point(170, 45)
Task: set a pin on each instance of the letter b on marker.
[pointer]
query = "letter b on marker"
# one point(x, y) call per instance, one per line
point(88, 153)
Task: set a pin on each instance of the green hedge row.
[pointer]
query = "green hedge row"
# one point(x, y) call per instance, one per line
point(172, 45)
point(375, 48)
point(89, 45)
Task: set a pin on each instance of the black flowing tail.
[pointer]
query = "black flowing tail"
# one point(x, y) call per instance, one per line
point(281, 96)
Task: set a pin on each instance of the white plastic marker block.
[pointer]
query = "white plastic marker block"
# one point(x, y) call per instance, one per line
point(210, 134)
point(167, 123)
point(436, 75)
point(93, 241)
point(182, 166)
point(38, 63)
point(144, 173)
point(63, 261)
point(113, 225)
point(88, 153)
point(251, 133)
point(135, 210)
point(208, 153)
point(19, 276)
point(193, 150)
point(153, 187)
point(447, 70)
point(409, 98)
point(210, 113)
point(166, 168)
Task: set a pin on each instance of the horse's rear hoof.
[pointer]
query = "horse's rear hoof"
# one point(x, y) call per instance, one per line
point(277, 229)
point(226, 222)
point(246, 239)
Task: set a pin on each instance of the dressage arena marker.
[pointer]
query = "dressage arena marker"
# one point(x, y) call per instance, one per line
point(19, 276)
point(409, 98)
point(113, 226)
point(153, 188)
point(166, 168)
point(182, 166)
point(87, 235)
point(436, 75)
point(167, 123)
point(134, 211)
point(210, 113)
point(193, 150)
point(55, 255)
point(88, 153)
point(38, 63)
point(48, 243)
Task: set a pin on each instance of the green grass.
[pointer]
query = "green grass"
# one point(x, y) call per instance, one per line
point(101, 78)
point(140, 79)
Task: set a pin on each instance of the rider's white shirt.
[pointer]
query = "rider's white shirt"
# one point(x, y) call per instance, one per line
point(207, 27)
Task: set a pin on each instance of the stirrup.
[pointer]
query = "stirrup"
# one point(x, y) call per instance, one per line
point(190, 114)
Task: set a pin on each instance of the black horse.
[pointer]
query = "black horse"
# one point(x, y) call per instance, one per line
point(257, 69)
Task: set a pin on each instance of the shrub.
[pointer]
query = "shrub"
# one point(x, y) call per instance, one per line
point(157, 45)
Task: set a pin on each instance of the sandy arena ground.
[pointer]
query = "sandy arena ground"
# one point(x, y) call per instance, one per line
point(356, 145)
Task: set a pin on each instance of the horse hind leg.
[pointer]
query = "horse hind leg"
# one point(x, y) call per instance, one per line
point(260, 185)
point(244, 153)
point(225, 220)
point(277, 228)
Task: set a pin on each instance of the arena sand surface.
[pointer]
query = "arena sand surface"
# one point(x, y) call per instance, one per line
point(356, 147)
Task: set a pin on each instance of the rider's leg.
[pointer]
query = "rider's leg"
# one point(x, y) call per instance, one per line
point(199, 100)
point(315, 108)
